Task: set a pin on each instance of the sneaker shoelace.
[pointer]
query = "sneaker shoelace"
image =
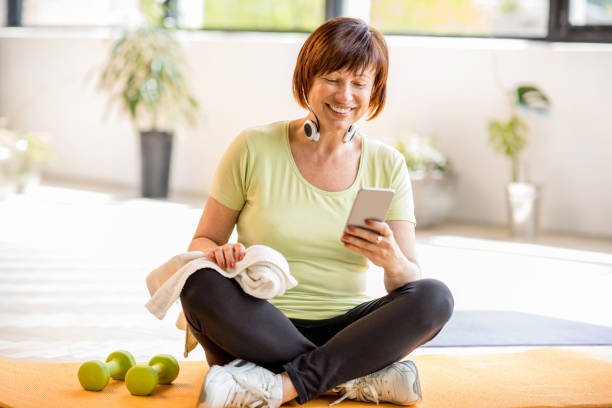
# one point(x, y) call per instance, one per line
point(245, 398)
point(364, 390)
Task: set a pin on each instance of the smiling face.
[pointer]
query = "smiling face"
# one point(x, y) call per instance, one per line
point(341, 98)
point(343, 64)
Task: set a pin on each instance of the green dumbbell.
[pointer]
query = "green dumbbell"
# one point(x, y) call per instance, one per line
point(94, 374)
point(142, 380)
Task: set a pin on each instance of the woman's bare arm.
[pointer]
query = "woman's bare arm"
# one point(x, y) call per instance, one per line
point(213, 232)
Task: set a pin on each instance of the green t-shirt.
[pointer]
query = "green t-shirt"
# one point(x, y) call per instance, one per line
point(279, 208)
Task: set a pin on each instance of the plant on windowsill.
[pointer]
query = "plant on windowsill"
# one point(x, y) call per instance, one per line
point(510, 139)
point(432, 178)
point(145, 73)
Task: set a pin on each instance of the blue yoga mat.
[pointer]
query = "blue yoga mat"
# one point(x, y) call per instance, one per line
point(506, 328)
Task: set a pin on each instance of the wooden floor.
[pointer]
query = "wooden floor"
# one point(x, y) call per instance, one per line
point(73, 263)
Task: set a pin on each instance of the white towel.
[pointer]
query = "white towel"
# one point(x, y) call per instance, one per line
point(262, 273)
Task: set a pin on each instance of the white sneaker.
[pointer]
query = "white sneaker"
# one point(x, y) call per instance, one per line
point(241, 384)
point(398, 384)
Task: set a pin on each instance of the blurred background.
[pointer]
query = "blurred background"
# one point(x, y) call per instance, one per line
point(114, 114)
point(452, 66)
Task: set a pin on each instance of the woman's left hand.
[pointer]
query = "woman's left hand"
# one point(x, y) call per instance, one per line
point(381, 248)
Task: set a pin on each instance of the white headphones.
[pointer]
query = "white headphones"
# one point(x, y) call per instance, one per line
point(311, 129)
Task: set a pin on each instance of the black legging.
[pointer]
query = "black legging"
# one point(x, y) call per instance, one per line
point(317, 354)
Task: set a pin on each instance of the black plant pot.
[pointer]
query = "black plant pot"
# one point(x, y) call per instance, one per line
point(155, 149)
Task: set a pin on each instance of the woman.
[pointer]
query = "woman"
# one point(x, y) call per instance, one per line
point(290, 185)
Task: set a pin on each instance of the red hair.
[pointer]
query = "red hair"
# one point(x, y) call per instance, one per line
point(338, 44)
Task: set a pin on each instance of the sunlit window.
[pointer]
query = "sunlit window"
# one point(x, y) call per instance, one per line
point(80, 12)
point(516, 18)
point(274, 15)
point(551, 20)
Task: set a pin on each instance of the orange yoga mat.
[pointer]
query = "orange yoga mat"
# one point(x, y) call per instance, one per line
point(546, 377)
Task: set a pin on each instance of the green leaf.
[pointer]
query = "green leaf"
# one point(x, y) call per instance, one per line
point(508, 138)
point(531, 98)
point(132, 104)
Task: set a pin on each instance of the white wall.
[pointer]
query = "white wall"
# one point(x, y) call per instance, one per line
point(445, 88)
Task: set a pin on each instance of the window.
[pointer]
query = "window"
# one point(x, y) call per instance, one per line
point(264, 15)
point(259, 15)
point(590, 12)
point(491, 18)
point(79, 12)
point(547, 20)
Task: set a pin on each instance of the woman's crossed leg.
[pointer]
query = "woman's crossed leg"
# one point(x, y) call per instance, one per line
point(317, 355)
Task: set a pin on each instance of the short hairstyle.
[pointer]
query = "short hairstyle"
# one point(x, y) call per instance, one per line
point(343, 43)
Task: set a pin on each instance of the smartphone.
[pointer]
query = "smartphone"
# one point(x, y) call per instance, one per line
point(369, 204)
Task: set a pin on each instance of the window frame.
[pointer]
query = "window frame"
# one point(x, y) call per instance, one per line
point(559, 27)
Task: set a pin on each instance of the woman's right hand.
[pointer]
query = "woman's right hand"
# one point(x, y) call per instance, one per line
point(226, 255)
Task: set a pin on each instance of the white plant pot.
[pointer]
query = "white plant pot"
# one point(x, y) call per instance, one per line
point(434, 198)
point(523, 200)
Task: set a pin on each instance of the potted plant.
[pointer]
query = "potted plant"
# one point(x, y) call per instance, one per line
point(21, 156)
point(433, 181)
point(144, 72)
point(510, 139)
